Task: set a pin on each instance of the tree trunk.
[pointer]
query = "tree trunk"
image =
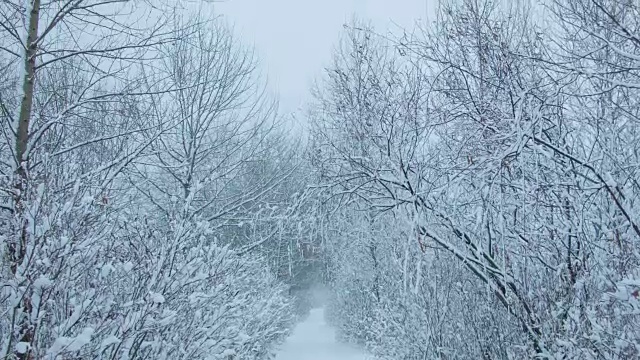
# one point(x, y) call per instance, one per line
point(18, 245)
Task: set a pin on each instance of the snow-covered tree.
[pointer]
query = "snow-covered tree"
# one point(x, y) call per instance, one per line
point(98, 262)
point(498, 144)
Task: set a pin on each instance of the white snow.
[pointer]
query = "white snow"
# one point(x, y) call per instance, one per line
point(228, 353)
point(22, 347)
point(42, 282)
point(70, 344)
point(109, 340)
point(156, 298)
point(314, 339)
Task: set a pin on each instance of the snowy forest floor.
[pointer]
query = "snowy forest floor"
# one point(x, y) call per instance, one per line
point(314, 339)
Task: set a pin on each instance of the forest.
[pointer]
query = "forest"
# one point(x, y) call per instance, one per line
point(468, 189)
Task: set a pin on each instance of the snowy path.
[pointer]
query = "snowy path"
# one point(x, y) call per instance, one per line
point(313, 339)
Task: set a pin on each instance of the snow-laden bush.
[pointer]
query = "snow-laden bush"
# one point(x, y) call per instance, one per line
point(401, 303)
point(130, 288)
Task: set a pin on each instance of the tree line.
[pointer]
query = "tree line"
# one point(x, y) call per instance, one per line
point(484, 169)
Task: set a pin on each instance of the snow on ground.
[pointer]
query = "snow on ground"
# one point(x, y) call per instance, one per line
point(314, 339)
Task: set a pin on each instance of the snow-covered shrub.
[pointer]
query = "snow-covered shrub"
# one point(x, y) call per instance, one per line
point(177, 294)
point(398, 301)
point(129, 288)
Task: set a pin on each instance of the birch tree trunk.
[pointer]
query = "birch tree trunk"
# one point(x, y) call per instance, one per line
point(25, 330)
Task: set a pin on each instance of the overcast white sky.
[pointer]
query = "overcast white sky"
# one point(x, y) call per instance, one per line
point(294, 38)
